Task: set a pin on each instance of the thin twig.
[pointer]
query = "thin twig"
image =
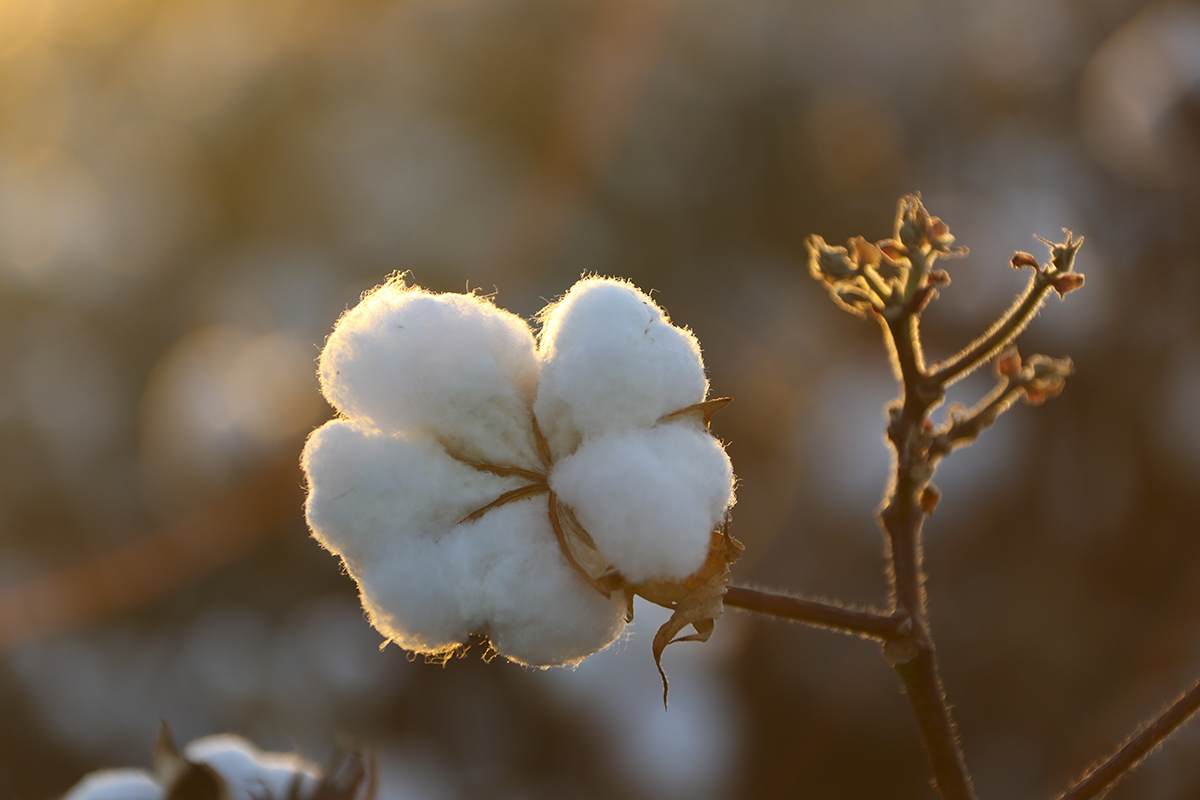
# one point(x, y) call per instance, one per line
point(1137, 747)
point(819, 613)
point(966, 429)
point(999, 335)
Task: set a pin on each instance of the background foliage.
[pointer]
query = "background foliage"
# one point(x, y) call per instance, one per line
point(191, 191)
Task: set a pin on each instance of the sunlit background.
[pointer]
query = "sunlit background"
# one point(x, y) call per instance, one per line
point(191, 191)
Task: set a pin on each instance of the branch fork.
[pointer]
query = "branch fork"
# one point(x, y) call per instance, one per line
point(893, 281)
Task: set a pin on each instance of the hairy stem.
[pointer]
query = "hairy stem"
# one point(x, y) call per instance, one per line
point(1103, 776)
point(965, 430)
point(999, 335)
point(816, 612)
point(915, 657)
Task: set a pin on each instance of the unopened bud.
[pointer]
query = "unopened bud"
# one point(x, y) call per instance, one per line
point(829, 264)
point(1044, 377)
point(1062, 255)
point(912, 222)
point(1068, 282)
point(1008, 363)
point(930, 496)
point(915, 228)
point(1022, 259)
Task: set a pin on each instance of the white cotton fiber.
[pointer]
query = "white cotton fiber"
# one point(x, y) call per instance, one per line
point(411, 594)
point(368, 488)
point(501, 575)
point(611, 360)
point(116, 784)
point(525, 595)
point(453, 365)
point(650, 498)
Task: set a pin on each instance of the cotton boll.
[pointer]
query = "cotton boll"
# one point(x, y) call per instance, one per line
point(367, 487)
point(650, 498)
point(453, 365)
point(116, 784)
point(611, 360)
point(249, 773)
point(517, 587)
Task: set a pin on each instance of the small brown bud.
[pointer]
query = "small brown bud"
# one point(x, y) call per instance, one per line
point(1044, 378)
point(1022, 259)
point(1008, 363)
point(1067, 282)
point(930, 496)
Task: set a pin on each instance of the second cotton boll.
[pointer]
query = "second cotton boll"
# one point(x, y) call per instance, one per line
point(462, 440)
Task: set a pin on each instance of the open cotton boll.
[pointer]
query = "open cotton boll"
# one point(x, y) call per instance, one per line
point(650, 498)
point(116, 784)
point(516, 586)
point(611, 359)
point(251, 774)
point(450, 364)
point(367, 487)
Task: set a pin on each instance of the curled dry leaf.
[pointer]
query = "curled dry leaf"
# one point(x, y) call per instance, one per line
point(697, 600)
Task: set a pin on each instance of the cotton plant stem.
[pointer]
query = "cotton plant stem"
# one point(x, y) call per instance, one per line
point(1102, 777)
point(999, 335)
point(915, 657)
point(816, 612)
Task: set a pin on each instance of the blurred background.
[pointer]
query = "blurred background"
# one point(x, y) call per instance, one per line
point(192, 191)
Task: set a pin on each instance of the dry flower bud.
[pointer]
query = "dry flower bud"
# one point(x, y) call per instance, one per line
point(1067, 282)
point(930, 496)
point(1022, 259)
point(915, 228)
point(912, 220)
point(829, 264)
point(1062, 256)
point(1044, 377)
point(1008, 363)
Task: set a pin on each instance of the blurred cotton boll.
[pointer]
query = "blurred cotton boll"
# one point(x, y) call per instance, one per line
point(219, 400)
point(221, 767)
